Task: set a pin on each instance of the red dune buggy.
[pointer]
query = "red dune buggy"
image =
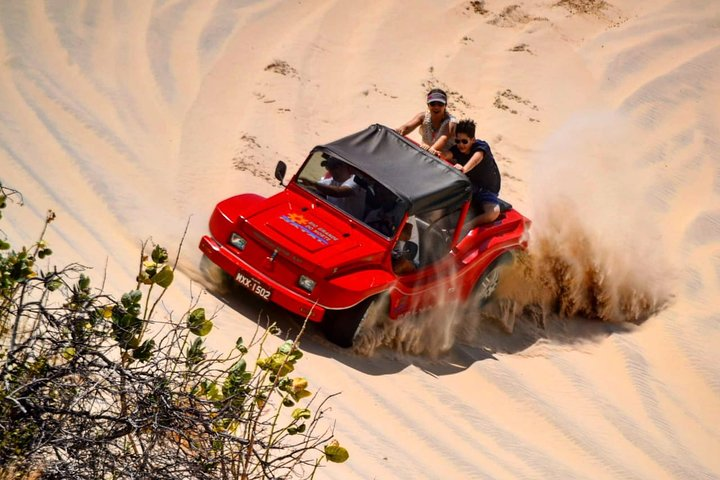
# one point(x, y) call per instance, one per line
point(401, 240)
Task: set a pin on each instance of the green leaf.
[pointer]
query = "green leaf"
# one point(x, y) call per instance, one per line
point(164, 277)
point(159, 254)
point(211, 391)
point(195, 352)
point(240, 345)
point(144, 351)
point(285, 384)
point(286, 347)
point(290, 349)
point(204, 329)
point(196, 317)
point(295, 429)
point(335, 453)
point(299, 413)
point(236, 383)
point(125, 326)
point(297, 396)
point(84, 282)
point(280, 364)
point(131, 299)
point(198, 324)
point(239, 367)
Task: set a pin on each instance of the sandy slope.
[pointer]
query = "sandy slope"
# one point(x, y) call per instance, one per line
point(131, 120)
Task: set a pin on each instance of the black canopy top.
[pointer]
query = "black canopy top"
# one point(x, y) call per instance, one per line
point(419, 178)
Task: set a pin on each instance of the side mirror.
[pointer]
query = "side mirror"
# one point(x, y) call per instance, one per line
point(280, 171)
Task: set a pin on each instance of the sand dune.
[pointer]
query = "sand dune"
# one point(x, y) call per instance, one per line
point(131, 120)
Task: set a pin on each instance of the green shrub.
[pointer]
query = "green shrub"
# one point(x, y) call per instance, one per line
point(94, 387)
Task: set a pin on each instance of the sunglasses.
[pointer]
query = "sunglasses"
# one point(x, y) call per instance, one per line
point(463, 141)
point(436, 104)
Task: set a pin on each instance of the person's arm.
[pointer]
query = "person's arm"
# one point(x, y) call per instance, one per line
point(476, 158)
point(436, 148)
point(334, 190)
point(325, 188)
point(442, 140)
point(447, 156)
point(411, 125)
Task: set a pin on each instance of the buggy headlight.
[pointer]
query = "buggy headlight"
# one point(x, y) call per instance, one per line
point(237, 241)
point(306, 283)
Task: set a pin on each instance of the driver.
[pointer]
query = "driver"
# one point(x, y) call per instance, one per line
point(340, 187)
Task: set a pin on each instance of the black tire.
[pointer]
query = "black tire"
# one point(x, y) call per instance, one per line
point(486, 286)
point(342, 326)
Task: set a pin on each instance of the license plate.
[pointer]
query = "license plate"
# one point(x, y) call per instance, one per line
point(253, 285)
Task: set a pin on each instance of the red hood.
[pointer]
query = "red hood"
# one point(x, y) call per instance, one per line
point(313, 231)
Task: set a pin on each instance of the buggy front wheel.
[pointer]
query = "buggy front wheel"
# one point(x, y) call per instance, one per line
point(341, 327)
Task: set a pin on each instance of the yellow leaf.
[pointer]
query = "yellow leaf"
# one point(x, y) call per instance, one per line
point(299, 384)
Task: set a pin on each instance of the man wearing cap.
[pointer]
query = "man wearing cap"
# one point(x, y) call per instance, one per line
point(339, 187)
point(437, 126)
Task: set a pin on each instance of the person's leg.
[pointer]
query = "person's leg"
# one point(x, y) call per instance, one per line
point(489, 212)
point(487, 205)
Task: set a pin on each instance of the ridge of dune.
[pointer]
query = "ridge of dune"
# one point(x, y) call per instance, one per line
point(131, 121)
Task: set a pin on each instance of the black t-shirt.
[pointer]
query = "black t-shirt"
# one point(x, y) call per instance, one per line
point(485, 174)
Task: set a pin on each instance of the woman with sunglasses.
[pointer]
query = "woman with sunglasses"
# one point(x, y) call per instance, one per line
point(437, 126)
point(474, 158)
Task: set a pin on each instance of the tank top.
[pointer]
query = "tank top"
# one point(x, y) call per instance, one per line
point(430, 135)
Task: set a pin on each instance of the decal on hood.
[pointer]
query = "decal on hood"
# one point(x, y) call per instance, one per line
point(311, 229)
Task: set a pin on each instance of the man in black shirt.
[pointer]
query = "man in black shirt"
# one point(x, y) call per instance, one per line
point(474, 158)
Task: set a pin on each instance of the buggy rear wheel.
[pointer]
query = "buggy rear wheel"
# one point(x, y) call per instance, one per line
point(490, 279)
point(341, 327)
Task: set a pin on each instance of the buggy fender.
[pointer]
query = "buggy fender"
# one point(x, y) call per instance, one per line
point(505, 256)
point(239, 205)
point(358, 286)
point(227, 212)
